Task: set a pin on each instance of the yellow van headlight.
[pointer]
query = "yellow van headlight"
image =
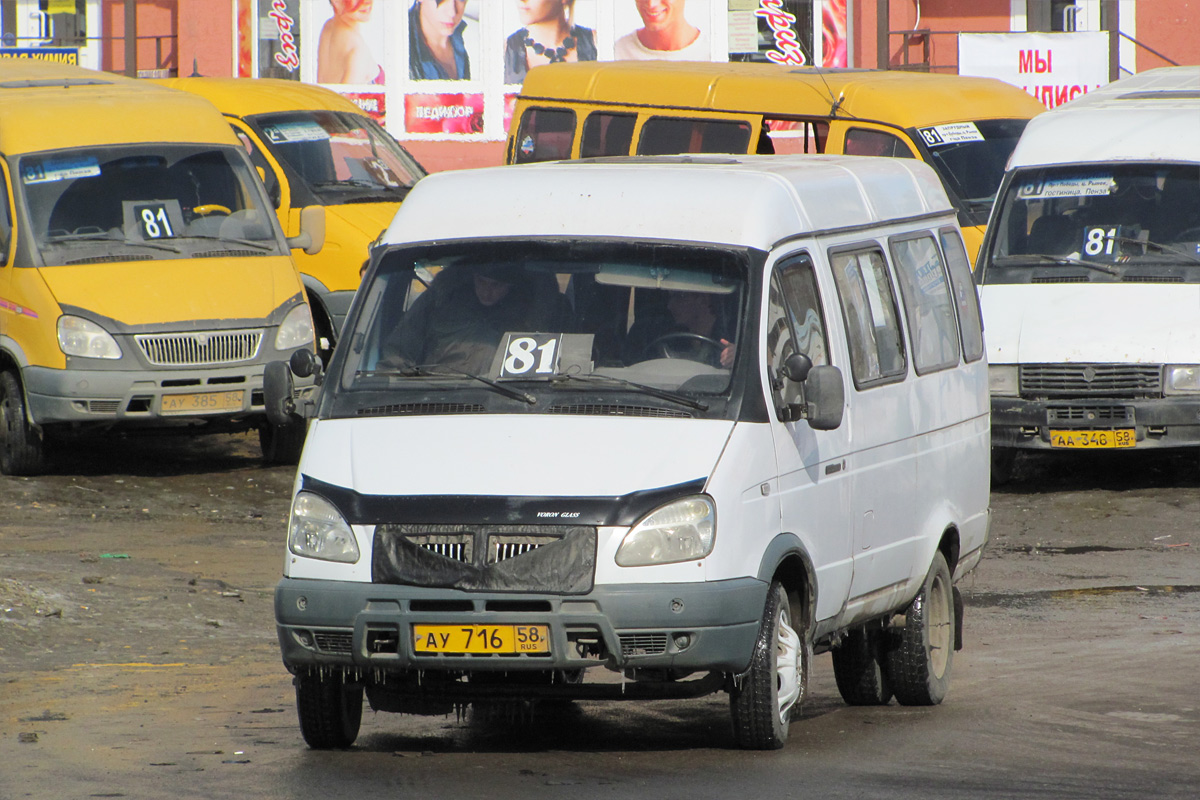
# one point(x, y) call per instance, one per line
point(682, 530)
point(296, 329)
point(1182, 378)
point(84, 338)
point(316, 529)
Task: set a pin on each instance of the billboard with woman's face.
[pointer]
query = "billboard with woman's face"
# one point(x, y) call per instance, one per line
point(449, 69)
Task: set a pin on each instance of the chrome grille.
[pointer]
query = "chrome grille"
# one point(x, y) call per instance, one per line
point(501, 548)
point(1098, 380)
point(456, 547)
point(200, 348)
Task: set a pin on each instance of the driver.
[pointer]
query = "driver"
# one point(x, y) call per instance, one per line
point(693, 317)
point(459, 321)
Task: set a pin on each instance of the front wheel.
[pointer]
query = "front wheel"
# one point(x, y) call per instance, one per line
point(920, 654)
point(763, 702)
point(282, 444)
point(330, 711)
point(22, 448)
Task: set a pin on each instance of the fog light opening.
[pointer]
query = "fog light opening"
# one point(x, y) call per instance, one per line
point(682, 641)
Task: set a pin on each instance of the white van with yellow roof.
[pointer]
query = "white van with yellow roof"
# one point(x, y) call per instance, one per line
point(144, 279)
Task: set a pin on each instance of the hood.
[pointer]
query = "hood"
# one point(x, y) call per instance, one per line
point(176, 290)
point(369, 219)
point(512, 455)
point(1092, 322)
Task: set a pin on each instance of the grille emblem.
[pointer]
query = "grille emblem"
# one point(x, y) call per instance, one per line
point(1089, 374)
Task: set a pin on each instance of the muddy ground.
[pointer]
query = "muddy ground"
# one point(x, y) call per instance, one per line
point(137, 657)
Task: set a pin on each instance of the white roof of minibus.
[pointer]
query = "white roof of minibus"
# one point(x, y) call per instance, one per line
point(753, 201)
point(1151, 116)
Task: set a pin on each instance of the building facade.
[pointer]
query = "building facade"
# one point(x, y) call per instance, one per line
point(377, 53)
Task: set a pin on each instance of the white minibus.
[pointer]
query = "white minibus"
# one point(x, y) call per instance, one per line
point(630, 429)
point(1090, 274)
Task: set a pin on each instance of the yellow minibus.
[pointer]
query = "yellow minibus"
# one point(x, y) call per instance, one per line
point(965, 128)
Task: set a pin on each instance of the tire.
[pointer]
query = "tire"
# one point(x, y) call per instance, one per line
point(764, 701)
point(330, 711)
point(282, 444)
point(858, 667)
point(22, 447)
point(921, 653)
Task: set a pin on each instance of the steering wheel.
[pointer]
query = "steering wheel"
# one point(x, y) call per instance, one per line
point(662, 345)
point(211, 208)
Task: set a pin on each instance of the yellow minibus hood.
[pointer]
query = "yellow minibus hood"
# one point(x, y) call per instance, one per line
point(151, 292)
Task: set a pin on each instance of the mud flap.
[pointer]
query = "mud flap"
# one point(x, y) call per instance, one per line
point(958, 620)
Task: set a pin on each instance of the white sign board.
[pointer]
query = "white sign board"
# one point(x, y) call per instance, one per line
point(1053, 67)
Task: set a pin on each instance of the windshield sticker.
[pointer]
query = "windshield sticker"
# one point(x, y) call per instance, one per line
point(1095, 185)
point(59, 170)
point(301, 131)
point(952, 133)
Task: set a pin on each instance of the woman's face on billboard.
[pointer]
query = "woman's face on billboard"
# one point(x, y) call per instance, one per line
point(535, 11)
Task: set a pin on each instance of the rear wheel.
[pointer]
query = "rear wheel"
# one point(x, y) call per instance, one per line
point(330, 711)
point(858, 667)
point(921, 653)
point(282, 444)
point(763, 703)
point(22, 448)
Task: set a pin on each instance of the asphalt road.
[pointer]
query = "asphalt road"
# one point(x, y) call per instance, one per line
point(138, 659)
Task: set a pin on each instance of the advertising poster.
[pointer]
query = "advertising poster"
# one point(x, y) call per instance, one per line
point(451, 69)
point(1053, 67)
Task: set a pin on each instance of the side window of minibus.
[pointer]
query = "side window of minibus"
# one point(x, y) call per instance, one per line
point(966, 299)
point(663, 136)
point(928, 308)
point(870, 315)
point(866, 142)
point(607, 134)
point(6, 223)
point(794, 324)
point(546, 134)
point(796, 136)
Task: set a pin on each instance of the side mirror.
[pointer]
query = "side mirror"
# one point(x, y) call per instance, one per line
point(825, 395)
point(312, 231)
point(278, 393)
point(305, 363)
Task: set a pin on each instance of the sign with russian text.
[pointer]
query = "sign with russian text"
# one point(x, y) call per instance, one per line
point(59, 55)
point(1053, 67)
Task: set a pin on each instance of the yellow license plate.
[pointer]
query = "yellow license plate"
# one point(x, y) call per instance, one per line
point(203, 403)
point(501, 639)
point(1123, 437)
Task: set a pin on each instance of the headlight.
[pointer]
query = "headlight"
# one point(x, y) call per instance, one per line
point(317, 530)
point(680, 531)
point(296, 330)
point(1003, 381)
point(1182, 378)
point(81, 337)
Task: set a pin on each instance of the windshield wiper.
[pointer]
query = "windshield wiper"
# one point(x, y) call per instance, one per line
point(662, 394)
point(1069, 261)
point(437, 370)
point(1162, 248)
point(351, 183)
point(105, 237)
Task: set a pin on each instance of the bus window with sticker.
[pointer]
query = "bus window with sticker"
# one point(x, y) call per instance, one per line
point(546, 134)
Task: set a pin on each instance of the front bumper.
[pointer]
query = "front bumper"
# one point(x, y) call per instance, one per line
point(689, 627)
point(135, 398)
point(1158, 423)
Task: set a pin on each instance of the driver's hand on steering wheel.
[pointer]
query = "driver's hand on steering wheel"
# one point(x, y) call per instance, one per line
point(726, 353)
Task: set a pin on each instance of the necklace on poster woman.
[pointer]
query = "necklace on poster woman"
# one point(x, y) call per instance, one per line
point(553, 54)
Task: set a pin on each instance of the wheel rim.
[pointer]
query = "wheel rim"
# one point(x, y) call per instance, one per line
point(787, 663)
point(939, 625)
